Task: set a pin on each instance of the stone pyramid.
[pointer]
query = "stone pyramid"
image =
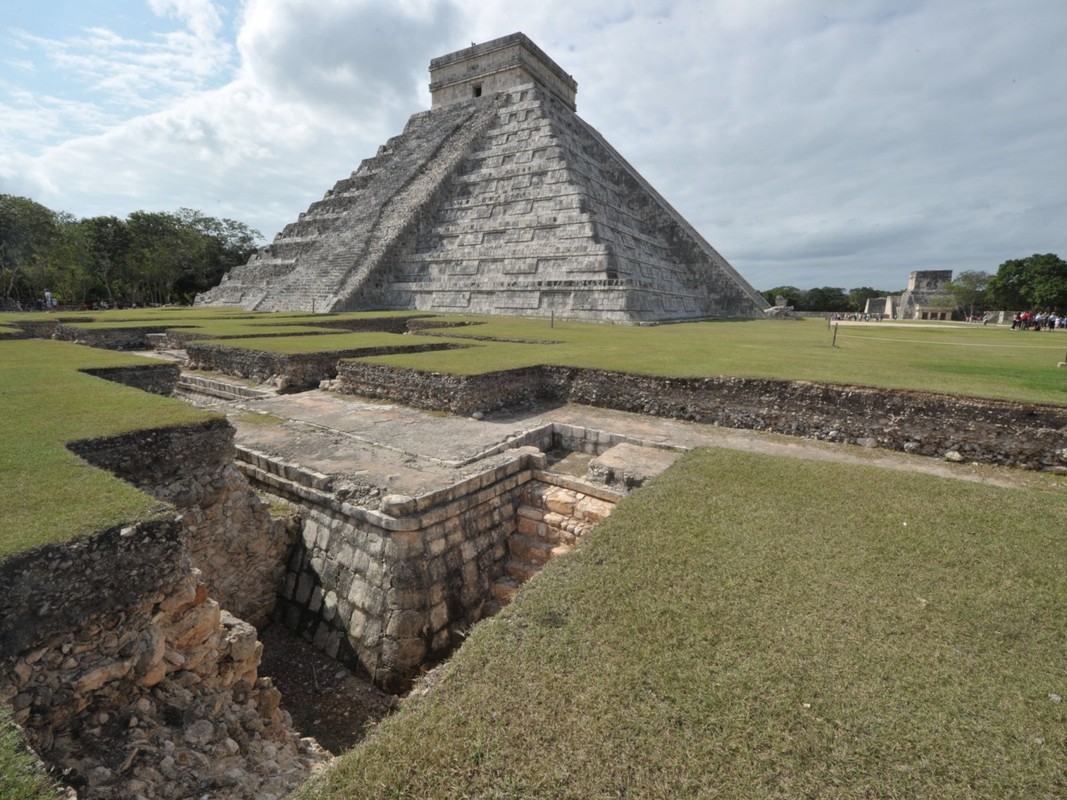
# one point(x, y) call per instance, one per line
point(498, 200)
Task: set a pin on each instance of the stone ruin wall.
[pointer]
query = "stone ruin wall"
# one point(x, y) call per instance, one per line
point(153, 378)
point(224, 521)
point(388, 591)
point(986, 431)
point(132, 338)
point(131, 681)
point(290, 373)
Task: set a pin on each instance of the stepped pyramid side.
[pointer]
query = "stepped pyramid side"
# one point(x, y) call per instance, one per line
point(501, 203)
point(361, 221)
point(548, 218)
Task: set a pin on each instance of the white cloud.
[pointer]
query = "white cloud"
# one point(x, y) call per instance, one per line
point(813, 143)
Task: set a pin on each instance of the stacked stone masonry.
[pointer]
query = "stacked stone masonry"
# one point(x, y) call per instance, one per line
point(387, 591)
point(224, 522)
point(980, 430)
point(387, 594)
point(285, 372)
point(130, 680)
point(550, 520)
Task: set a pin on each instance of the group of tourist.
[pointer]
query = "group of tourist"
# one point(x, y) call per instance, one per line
point(1026, 321)
point(837, 315)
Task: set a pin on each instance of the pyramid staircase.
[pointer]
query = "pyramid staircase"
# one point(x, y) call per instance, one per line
point(550, 521)
point(500, 201)
point(319, 260)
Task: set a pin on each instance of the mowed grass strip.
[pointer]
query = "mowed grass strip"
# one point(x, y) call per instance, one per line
point(955, 359)
point(750, 626)
point(327, 343)
point(47, 493)
point(21, 776)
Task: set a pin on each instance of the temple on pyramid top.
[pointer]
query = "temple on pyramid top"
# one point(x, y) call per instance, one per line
point(498, 200)
point(498, 66)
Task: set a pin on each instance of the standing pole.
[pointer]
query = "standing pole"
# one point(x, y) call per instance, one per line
point(834, 342)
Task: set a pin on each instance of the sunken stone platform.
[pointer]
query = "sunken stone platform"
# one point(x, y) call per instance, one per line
point(415, 526)
point(498, 200)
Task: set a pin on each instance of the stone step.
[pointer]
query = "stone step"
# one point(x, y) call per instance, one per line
point(530, 549)
point(213, 387)
point(540, 525)
point(504, 589)
point(521, 571)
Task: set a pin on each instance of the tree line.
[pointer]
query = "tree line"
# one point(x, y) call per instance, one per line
point(151, 257)
point(1035, 283)
point(168, 257)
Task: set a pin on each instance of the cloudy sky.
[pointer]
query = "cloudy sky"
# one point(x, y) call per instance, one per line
point(812, 142)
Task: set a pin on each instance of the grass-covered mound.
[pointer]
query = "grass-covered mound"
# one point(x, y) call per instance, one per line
point(751, 626)
point(970, 360)
point(205, 321)
point(330, 342)
point(47, 493)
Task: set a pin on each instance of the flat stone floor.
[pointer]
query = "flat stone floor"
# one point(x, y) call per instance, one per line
point(408, 451)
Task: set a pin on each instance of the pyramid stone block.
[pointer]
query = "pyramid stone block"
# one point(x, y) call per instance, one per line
point(498, 200)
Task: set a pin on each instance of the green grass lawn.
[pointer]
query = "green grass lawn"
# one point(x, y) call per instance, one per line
point(21, 778)
point(756, 627)
point(956, 359)
point(326, 343)
point(46, 492)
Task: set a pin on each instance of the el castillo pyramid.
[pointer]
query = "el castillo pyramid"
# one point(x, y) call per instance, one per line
point(498, 200)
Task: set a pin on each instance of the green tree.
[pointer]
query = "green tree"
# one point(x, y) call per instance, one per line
point(27, 230)
point(791, 294)
point(1034, 282)
point(824, 298)
point(69, 262)
point(108, 243)
point(857, 298)
point(162, 249)
point(969, 292)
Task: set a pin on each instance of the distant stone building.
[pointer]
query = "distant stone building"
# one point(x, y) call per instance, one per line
point(498, 200)
point(925, 296)
point(923, 299)
point(882, 306)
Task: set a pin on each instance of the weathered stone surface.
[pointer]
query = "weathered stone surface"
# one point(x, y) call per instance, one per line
point(992, 431)
point(498, 200)
point(128, 680)
point(224, 522)
point(630, 465)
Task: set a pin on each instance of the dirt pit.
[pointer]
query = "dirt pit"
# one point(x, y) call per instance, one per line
point(325, 698)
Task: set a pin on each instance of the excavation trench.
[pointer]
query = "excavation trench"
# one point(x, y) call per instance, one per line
point(129, 660)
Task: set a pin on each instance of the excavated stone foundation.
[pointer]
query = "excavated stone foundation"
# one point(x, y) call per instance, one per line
point(388, 591)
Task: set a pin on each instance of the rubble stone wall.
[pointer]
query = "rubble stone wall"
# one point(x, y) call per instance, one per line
point(131, 681)
point(991, 431)
point(109, 338)
point(459, 394)
point(228, 532)
point(155, 378)
point(296, 372)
